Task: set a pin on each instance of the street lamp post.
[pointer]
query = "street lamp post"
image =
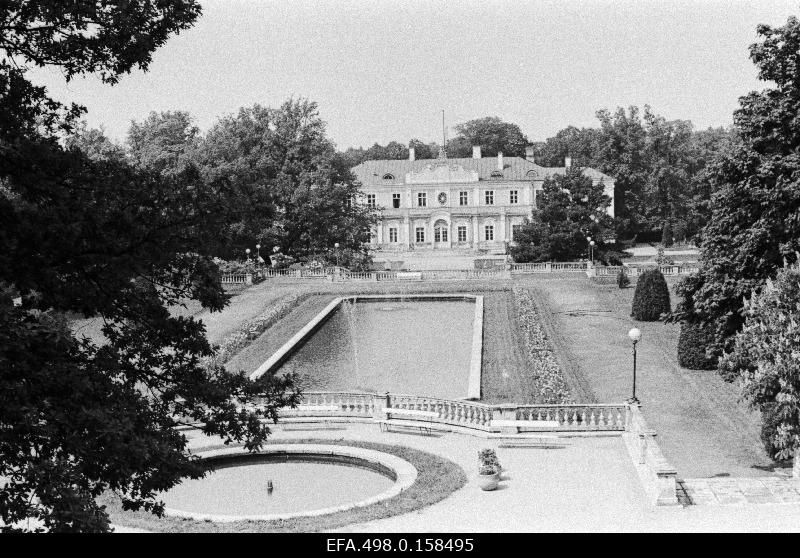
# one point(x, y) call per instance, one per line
point(589, 243)
point(258, 253)
point(247, 251)
point(591, 248)
point(634, 334)
point(336, 246)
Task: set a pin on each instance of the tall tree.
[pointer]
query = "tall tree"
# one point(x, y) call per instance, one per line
point(581, 144)
point(622, 155)
point(665, 193)
point(97, 237)
point(164, 142)
point(94, 144)
point(754, 222)
point(492, 134)
point(293, 190)
point(570, 208)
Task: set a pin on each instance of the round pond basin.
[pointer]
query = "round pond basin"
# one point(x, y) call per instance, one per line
point(305, 480)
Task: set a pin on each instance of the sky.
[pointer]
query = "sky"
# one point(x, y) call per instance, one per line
point(384, 70)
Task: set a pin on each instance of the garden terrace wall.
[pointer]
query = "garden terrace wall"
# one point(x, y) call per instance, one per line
point(465, 415)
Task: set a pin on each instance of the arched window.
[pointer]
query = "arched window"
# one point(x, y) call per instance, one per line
point(496, 174)
point(388, 176)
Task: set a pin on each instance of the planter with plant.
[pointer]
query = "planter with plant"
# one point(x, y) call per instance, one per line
point(489, 457)
point(488, 477)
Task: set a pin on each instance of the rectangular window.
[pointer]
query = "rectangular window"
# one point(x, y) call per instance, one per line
point(463, 198)
point(489, 197)
point(371, 201)
point(515, 231)
point(422, 199)
point(420, 234)
point(489, 232)
point(462, 233)
point(395, 200)
point(513, 196)
point(392, 234)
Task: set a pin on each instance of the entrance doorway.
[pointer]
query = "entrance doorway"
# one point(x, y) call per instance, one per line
point(441, 234)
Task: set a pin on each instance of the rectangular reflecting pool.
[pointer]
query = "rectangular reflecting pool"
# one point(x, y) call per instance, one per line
point(419, 345)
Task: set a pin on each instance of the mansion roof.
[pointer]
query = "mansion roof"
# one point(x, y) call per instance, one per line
point(467, 169)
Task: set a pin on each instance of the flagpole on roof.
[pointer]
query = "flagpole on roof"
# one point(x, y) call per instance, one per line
point(444, 135)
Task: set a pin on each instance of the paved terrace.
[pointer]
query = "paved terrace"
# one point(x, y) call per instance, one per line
point(590, 485)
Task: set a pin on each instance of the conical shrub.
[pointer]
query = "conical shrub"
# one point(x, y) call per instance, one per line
point(692, 345)
point(651, 298)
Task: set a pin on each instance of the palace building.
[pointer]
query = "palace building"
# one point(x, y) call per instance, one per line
point(472, 203)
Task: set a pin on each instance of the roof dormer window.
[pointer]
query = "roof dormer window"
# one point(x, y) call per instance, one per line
point(388, 176)
point(496, 174)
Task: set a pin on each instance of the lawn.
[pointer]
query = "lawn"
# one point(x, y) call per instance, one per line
point(702, 427)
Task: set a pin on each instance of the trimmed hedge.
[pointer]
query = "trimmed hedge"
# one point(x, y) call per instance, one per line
point(692, 345)
point(651, 298)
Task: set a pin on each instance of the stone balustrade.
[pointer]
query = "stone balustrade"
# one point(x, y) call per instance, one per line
point(569, 417)
point(474, 414)
point(237, 279)
point(658, 476)
point(568, 266)
point(635, 271)
point(463, 413)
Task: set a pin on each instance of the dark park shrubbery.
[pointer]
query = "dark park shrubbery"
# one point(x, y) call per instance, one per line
point(770, 421)
point(623, 280)
point(692, 343)
point(651, 298)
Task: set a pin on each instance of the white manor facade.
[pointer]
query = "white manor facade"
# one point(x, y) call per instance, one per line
point(469, 203)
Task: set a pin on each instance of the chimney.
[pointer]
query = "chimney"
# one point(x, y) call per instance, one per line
point(411, 154)
point(476, 151)
point(567, 162)
point(499, 160)
point(529, 154)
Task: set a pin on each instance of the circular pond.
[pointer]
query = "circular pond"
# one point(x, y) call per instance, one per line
point(286, 481)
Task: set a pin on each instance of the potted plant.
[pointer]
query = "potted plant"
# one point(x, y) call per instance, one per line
point(488, 477)
point(489, 457)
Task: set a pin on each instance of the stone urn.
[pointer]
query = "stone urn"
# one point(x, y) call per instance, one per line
point(488, 478)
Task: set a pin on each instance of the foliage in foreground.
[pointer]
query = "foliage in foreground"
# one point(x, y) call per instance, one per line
point(95, 236)
point(764, 360)
point(754, 226)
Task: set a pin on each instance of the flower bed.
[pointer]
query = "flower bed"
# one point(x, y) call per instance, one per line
point(548, 377)
point(251, 329)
